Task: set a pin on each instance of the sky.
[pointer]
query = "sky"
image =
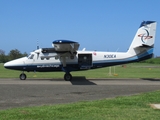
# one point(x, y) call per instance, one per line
point(102, 25)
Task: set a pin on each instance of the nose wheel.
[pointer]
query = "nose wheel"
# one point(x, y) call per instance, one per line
point(22, 76)
point(68, 77)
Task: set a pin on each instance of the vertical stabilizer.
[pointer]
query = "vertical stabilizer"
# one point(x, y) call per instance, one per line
point(144, 38)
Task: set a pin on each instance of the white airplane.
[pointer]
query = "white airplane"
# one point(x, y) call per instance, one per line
point(64, 55)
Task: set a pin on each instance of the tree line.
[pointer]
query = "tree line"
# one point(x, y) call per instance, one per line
point(13, 54)
point(152, 61)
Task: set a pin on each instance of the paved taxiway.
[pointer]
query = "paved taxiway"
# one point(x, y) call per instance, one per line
point(33, 92)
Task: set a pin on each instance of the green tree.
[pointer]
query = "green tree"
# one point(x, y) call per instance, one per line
point(3, 57)
point(24, 54)
point(14, 54)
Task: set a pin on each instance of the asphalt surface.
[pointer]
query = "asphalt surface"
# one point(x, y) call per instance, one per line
point(35, 92)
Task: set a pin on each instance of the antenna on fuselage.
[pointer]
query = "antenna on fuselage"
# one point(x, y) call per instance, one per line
point(37, 44)
point(37, 51)
point(117, 49)
point(83, 49)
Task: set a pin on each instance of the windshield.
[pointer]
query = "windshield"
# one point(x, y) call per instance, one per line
point(31, 56)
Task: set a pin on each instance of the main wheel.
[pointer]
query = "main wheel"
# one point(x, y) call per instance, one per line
point(22, 76)
point(68, 77)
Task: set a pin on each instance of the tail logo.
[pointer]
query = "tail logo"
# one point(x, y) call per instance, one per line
point(145, 36)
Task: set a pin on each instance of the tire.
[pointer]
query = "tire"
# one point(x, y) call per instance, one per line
point(22, 76)
point(68, 77)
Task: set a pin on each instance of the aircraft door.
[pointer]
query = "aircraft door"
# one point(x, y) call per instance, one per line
point(85, 61)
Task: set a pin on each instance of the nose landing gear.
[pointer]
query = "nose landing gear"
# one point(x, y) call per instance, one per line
point(23, 76)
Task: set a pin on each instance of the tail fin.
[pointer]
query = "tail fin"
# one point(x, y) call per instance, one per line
point(143, 41)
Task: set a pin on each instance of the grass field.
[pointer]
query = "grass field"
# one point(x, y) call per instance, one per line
point(135, 107)
point(134, 70)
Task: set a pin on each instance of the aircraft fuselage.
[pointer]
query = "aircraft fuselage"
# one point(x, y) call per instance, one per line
point(83, 60)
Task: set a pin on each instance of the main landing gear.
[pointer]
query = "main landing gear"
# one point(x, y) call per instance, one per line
point(68, 77)
point(22, 76)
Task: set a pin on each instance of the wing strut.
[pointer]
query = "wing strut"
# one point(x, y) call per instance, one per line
point(64, 61)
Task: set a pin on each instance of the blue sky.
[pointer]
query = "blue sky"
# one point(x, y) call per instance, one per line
point(105, 25)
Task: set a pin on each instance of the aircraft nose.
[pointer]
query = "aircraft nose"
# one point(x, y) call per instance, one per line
point(10, 64)
point(6, 64)
point(15, 64)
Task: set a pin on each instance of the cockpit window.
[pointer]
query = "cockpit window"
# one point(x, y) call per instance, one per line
point(30, 56)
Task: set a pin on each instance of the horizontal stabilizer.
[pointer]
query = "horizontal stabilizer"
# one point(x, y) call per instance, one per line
point(143, 46)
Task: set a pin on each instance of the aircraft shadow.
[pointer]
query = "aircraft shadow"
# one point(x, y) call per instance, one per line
point(150, 79)
point(81, 80)
point(78, 80)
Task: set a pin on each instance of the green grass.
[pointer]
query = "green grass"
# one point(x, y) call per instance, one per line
point(134, 70)
point(135, 107)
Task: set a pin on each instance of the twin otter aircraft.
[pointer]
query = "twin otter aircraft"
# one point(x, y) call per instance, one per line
point(64, 56)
